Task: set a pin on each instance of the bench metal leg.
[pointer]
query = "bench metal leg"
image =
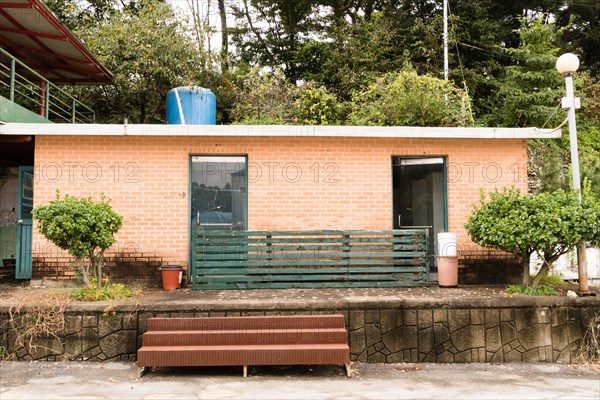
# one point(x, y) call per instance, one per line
point(348, 370)
point(140, 371)
point(245, 371)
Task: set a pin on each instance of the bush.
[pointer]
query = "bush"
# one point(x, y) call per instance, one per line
point(407, 99)
point(83, 228)
point(113, 291)
point(541, 290)
point(316, 106)
point(554, 279)
point(549, 224)
point(266, 98)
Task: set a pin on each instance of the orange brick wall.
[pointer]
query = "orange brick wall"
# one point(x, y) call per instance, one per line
point(147, 179)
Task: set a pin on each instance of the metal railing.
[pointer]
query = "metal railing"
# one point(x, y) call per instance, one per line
point(43, 98)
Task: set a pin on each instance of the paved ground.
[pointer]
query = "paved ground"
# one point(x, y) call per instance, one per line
point(88, 380)
point(71, 380)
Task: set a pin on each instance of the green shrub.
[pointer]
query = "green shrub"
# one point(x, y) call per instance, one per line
point(82, 227)
point(407, 99)
point(113, 291)
point(540, 290)
point(552, 278)
point(266, 98)
point(316, 106)
point(548, 224)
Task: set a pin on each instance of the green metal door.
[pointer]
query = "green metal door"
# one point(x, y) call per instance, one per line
point(24, 223)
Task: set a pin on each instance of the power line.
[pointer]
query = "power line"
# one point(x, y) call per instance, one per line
point(462, 72)
point(497, 53)
point(456, 40)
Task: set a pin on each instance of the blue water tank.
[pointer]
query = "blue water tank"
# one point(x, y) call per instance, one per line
point(191, 105)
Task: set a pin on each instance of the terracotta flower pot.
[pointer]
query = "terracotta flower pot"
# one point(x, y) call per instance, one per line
point(171, 276)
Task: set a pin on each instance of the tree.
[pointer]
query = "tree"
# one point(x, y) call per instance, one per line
point(201, 12)
point(266, 98)
point(82, 227)
point(407, 99)
point(149, 51)
point(270, 32)
point(355, 55)
point(550, 159)
point(583, 35)
point(200, 23)
point(339, 45)
point(224, 36)
point(80, 14)
point(549, 224)
point(529, 93)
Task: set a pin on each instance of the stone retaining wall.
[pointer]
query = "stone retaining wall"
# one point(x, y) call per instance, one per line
point(377, 333)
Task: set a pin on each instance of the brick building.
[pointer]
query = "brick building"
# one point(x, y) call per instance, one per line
point(169, 180)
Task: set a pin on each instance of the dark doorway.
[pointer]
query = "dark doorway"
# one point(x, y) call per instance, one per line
point(419, 196)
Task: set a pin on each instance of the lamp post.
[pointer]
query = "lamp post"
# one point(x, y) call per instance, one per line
point(567, 65)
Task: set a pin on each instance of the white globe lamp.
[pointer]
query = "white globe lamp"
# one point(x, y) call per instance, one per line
point(567, 64)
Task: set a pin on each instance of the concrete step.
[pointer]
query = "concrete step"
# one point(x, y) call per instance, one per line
point(245, 337)
point(244, 341)
point(298, 354)
point(245, 323)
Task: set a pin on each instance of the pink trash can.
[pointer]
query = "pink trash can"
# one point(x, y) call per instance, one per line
point(447, 271)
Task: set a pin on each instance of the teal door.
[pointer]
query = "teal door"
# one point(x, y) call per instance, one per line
point(219, 198)
point(24, 223)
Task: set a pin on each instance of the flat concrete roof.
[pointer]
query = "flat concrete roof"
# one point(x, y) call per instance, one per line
point(276, 131)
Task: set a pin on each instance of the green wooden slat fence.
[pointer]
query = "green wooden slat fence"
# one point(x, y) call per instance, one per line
point(309, 259)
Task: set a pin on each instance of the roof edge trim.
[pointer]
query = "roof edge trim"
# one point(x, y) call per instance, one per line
point(277, 131)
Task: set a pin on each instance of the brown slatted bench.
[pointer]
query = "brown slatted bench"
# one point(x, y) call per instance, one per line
point(245, 341)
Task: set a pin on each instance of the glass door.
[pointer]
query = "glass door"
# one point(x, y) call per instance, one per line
point(219, 198)
point(419, 196)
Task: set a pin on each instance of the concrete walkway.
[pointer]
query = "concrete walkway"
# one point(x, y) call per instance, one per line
point(71, 380)
point(310, 299)
point(186, 299)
